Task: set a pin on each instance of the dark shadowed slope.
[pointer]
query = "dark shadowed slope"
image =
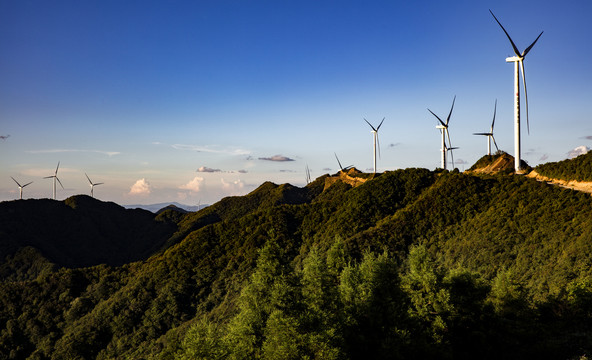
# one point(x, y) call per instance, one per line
point(80, 231)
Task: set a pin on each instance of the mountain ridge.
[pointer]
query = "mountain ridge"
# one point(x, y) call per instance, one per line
point(505, 268)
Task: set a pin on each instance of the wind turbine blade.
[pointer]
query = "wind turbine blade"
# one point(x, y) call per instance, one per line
point(339, 162)
point(440, 120)
point(49, 177)
point(484, 134)
point(531, 45)
point(88, 179)
point(525, 95)
point(448, 118)
point(494, 111)
point(494, 143)
point(379, 125)
point(508, 35)
point(370, 124)
point(378, 143)
point(452, 157)
point(59, 182)
point(29, 183)
point(448, 134)
point(16, 182)
point(56, 172)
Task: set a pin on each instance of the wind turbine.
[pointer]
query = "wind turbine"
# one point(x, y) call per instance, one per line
point(341, 167)
point(92, 185)
point(443, 126)
point(307, 174)
point(55, 177)
point(490, 133)
point(518, 61)
point(376, 141)
point(21, 186)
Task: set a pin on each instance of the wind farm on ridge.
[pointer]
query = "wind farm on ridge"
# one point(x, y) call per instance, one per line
point(446, 146)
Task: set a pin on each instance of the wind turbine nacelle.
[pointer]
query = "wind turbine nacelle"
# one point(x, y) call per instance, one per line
point(440, 127)
point(512, 59)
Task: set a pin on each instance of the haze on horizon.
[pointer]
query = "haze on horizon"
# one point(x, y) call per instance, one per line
point(194, 101)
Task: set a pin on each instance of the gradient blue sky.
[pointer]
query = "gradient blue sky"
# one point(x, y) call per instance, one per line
point(141, 95)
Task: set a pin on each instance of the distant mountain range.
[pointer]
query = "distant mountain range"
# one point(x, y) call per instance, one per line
point(157, 207)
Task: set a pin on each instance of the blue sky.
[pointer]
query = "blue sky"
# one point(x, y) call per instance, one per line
point(191, 101)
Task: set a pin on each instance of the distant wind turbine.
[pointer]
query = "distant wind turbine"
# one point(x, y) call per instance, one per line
point(55, 177)
point(490, 133)
point(341, 167)
point(376, 141)
point(307, 170)
point(518, 61)
point(443, 126)
point(92, 185)
point(21, 186)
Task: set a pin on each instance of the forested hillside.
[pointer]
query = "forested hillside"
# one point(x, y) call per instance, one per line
point(411, 264)
point(579, 168)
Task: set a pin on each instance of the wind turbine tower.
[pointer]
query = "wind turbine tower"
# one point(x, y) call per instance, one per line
point(518, 61)
point(443, 126)
point(55, 177)
point(490, 133)
point(21, 186)
point(92, 185)
point(376, 141)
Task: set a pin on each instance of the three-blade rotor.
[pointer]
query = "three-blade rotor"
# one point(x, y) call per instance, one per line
point(92, 185)
point(55, 176)
point(341, 167)
point(520, 59)
point(490, 133)
point(375, 131)
point(444, 127)
point(19, 185)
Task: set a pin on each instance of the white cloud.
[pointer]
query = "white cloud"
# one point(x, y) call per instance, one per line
point(580, 150)
point(194, 185)
point(276, 158)
point(233, 187)
point(141, 187)
point(208, 170)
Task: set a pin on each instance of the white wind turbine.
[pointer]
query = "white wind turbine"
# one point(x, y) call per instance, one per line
point(92, 185)
point(376, 141)
point(21, 186)
point(518, 61)
point(490, 133)
point(55, 177)
point(443, 126)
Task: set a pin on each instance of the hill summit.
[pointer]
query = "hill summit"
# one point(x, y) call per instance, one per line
point(499, 162)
